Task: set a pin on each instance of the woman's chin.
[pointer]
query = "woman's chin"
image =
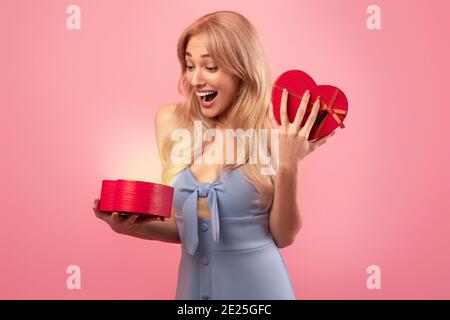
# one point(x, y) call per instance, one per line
point(209, 112)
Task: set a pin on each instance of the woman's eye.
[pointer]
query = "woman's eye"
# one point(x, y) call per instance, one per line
point(211, 69)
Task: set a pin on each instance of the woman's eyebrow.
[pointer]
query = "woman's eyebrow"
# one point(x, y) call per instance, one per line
point(202, 56)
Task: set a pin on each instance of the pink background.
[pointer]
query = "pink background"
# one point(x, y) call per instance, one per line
point(78, 107)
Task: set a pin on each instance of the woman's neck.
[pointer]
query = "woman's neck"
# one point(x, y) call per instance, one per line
point(222, 122)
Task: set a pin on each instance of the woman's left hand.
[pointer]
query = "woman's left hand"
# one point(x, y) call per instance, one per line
point(293, 140)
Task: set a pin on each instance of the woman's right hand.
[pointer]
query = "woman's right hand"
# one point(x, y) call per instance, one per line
point(123, 224)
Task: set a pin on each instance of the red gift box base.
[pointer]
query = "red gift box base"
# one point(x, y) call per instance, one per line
point(139, 197)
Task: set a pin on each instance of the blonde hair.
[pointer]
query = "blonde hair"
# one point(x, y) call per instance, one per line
point(233, 43)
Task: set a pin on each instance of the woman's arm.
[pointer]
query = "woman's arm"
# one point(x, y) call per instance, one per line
point(165, 231)
point(285, 219)
point(160, 230)
point(150, 229)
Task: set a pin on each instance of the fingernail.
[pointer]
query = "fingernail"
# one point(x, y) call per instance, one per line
point(307, 92)
point(284, 91)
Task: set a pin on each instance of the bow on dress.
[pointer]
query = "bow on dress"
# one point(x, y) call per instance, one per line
point(190, 217)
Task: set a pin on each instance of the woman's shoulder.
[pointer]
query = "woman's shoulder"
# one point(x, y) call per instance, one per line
point(166, 116)
point(165, 120)
point(167, 112)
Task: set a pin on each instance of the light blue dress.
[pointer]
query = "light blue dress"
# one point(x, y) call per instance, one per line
point(232, 255)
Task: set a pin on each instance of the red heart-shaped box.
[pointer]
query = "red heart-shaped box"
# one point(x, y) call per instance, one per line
point(141, 197)
point(333, 102)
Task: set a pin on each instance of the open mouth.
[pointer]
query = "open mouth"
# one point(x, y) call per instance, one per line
point(209, 97)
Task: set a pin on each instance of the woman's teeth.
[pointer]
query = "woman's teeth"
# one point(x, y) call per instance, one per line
point(207, 98)
point(206, 95)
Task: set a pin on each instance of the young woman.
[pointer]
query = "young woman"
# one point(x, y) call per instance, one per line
point(229, 217)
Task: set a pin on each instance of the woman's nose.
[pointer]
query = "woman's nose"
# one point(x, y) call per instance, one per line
point(196, 78)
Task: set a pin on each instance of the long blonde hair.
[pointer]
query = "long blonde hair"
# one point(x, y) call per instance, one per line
point(233, 43)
